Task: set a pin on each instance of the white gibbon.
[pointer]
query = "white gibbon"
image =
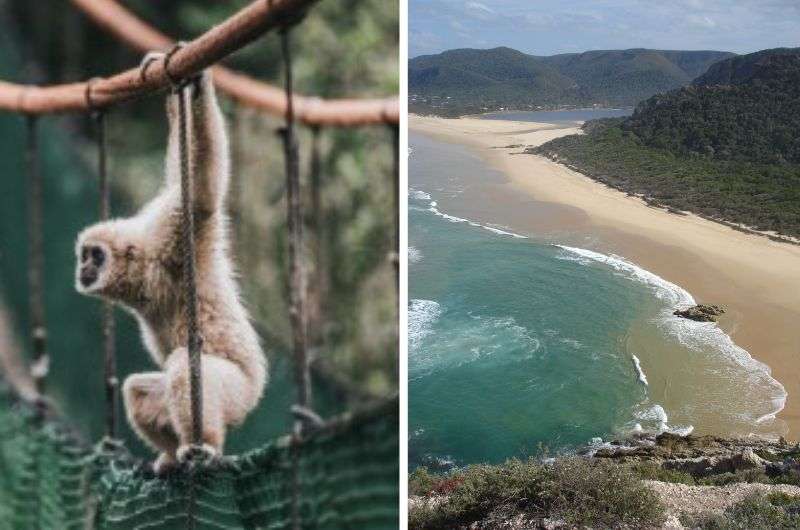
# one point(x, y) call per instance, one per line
point(137, 263)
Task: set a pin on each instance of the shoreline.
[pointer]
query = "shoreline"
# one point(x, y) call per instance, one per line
point(477, 115)
point(753, 277)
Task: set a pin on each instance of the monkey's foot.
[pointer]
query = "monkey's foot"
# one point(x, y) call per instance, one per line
point(164, 464)
point(196, 454)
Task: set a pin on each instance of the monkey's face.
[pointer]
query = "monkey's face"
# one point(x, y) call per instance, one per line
point(95, 261)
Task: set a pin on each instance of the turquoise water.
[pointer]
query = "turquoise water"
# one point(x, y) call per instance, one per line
point(516, 343)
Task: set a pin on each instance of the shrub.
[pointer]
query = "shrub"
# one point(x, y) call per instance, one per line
point(746, 475)
point(578, 491)
point(653, 471)
point(421, 481)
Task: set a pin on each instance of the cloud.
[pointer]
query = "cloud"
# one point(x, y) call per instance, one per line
point(702, 21)
point(480, 7)
point(539, 26)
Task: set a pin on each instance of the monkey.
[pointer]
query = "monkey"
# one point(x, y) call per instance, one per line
point(136, 263)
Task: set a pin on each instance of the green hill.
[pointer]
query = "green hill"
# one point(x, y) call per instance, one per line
point(726, 147)
point(467, 80)
point(739, 70)
point(745, 108)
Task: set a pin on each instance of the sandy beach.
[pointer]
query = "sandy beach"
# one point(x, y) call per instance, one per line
point(757, 280)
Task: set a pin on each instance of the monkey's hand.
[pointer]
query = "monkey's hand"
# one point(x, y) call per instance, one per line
point(148, 59)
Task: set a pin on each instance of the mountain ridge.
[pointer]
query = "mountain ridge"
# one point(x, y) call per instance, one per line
point(470, 80)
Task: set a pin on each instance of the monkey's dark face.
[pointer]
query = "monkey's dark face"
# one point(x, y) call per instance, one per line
point(92, 260)
point(94, 263)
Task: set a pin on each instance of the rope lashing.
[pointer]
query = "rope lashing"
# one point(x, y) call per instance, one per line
point(110, 379)
point(41, 360)
point(188, 253)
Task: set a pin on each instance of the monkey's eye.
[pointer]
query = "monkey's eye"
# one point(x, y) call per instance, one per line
point(84, 254)
point(98, 256)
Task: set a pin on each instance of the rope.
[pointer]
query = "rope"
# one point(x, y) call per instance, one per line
point(110, 379)
point(295, 226)
point(189, 278)
point(41, 360)
point(190, 284)
point(297, 286)
point(139, 35)
point(396, 252)
point(314, 312)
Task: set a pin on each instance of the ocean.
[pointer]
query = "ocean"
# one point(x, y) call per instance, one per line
point(530, 343)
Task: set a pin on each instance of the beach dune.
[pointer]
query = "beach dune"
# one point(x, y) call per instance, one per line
point(756, 279)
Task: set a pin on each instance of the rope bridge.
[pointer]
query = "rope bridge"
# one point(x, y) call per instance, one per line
point(339, 473)
point(348, 472)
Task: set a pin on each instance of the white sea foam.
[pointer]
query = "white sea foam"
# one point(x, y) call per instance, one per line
point(418, 194)
point(414, 255)
point(696, 336)
point(421, 316)
point(638, 365)
point(494, 340)
point(433, 207)
point(657, 416)
point(503, 232)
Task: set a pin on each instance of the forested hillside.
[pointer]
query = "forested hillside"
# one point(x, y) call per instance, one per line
point(747, 108)
point(464, 81)
point(726, 147)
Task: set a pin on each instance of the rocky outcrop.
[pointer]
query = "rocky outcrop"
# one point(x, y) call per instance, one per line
point(700, 313)
point(705, 456)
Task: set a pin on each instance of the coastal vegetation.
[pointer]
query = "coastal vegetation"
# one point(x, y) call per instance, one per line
point(727, 152)
point(579, 493)
point(701, 482)
point(469, 81)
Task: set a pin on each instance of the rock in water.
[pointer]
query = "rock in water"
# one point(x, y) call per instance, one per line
point(700, 313)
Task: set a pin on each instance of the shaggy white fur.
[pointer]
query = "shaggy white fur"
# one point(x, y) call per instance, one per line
point(136, 263)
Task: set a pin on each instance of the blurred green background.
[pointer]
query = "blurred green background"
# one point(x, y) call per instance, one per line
point(344, 48)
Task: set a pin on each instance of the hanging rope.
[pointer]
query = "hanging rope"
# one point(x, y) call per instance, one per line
point(297, 281)
point(108, 328)
point(315, 289)
point(297, 285)
point(396, 251)
point(41, 361)
point(188, 252)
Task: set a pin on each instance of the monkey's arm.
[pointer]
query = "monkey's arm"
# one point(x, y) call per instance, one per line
point(172, 161)
point(210, 157)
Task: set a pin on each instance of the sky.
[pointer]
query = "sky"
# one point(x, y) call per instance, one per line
point(547, 27)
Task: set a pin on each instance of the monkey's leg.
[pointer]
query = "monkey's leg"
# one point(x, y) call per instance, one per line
point(145, 403)
point(226, 399)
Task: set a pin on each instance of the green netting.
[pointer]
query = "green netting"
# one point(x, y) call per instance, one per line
point(348, 476)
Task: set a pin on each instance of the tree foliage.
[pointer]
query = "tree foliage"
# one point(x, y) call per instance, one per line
point(728, 152)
